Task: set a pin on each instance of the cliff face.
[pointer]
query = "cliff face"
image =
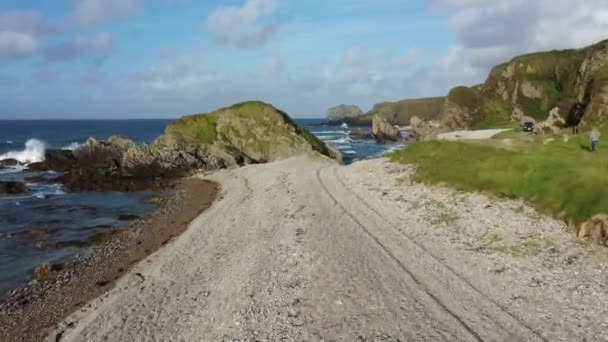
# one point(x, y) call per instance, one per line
point(575, 81)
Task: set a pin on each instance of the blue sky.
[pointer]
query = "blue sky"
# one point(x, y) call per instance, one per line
point(167, 58)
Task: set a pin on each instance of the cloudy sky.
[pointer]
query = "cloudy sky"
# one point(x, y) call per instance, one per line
point(166, 58)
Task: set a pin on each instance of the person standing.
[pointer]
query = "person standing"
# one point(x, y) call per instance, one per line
point(595, 138)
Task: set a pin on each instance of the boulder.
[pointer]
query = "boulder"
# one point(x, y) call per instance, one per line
point(360, 133)
point(383, 131)
point(8, 162)
point(11, 187)
point(343, 111)
point(595, 229)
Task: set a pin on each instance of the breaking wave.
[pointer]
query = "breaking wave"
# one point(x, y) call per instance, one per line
point(33, 152)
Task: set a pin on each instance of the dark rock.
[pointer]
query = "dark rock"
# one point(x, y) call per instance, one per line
point(127, 217)
point(55, 160)
point(12, 187)
point(360, 133)
point(8, 162)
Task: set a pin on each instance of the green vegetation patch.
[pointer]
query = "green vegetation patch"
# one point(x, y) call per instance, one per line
point(529, 247)
point(315, 142)
point(200, 128)
point(465, 97)
point(494, 113)
point(560, 178)
point(400, 112)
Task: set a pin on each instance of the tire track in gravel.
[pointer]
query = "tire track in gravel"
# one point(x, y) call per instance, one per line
point(476, 308)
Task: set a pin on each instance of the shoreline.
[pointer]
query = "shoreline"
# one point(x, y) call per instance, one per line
point(30, 312)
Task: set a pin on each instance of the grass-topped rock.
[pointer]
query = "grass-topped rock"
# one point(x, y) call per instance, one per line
point(255, 131)
point(250, 132)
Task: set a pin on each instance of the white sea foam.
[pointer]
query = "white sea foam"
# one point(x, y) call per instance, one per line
point(349, 152)
point(329, 132)
point(33, 152)
point(71, 146)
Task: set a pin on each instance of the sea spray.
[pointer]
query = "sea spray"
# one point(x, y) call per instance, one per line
point(71, 146)
point(33, 152)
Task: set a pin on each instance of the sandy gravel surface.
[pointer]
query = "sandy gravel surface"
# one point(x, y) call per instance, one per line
point(481, 134)
point(305, 250)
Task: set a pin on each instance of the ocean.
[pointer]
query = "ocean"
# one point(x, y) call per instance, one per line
point(49, 225)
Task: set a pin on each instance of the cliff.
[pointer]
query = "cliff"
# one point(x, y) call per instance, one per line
point(574, 81)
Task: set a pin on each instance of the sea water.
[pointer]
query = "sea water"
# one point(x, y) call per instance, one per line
point(67, 219)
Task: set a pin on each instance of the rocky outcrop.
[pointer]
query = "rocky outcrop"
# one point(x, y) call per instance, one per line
point(252, 132)
point(360, 133)
point(553, 125)
point(384, 131)
point(343, 111)
point(56, 160)
point(400, 113)
point(12, 187)
point(422, 130)
point(534, 84)
point(460, 108)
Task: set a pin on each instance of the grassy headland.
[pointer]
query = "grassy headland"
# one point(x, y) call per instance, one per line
point(558, 177)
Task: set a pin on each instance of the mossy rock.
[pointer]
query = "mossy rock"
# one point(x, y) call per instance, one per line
point(257, 130)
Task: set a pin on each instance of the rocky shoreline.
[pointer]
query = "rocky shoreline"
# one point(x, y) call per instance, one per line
point(30, 312)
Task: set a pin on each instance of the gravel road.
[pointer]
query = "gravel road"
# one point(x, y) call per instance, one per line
point(303, 250)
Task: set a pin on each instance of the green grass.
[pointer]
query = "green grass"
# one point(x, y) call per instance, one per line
point(199, 128)
point(316, 144)
point(560, 178)
point(465, 97)
point(400, 112)
point(494, 113)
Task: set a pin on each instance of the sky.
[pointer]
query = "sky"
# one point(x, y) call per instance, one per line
point(167, 58)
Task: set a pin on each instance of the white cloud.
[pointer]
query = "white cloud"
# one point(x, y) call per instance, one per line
point(17, 44)
point(92, 12)
point(241, 26)
point(491, 32)
point(20, 33)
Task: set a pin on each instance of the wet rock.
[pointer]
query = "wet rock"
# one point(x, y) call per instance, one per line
point(128, 217)
point(8, 162)
point(360, 133)
point(55, 160)
point(11, 187)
